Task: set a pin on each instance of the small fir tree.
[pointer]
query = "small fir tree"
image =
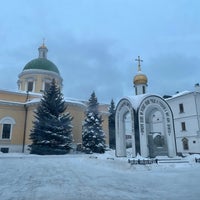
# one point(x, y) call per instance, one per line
point(52, 129)
point(93, 135)
point(112, 125)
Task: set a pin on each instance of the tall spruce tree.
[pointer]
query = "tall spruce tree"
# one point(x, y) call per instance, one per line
point(93, 135)
point(112, 125)
point(52, 129)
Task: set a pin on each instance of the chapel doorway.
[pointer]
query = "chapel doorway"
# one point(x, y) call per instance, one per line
point(155, 127)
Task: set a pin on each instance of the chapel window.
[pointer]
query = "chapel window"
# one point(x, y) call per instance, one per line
point(143, 89)
point(183, 126)
point(181, 108)
point(136, 92)
point(185, 144)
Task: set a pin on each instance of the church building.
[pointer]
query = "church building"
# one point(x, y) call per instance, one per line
point(144, 123)
point(17, 107)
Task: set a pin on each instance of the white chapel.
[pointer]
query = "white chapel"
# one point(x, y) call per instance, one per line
point(144, 123)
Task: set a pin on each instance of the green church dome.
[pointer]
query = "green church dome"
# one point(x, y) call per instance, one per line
point(41, 63)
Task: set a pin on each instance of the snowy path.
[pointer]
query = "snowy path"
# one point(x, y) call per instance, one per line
point(82, 178)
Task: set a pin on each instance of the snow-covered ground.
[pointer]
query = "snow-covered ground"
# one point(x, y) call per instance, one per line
point(95, 177)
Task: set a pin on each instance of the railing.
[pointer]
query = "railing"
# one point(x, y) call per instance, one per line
point(197, 160)
point(142, 162)
point(159, 161)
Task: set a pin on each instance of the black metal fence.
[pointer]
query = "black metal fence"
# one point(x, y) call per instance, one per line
point(142, 162)
point(197, 160)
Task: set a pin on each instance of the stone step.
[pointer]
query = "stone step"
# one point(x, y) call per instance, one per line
point(172, 161)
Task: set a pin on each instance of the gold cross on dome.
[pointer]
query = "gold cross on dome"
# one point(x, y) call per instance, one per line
point(139, 61)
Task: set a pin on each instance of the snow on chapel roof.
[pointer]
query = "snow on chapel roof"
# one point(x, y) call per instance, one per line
point(136, 100)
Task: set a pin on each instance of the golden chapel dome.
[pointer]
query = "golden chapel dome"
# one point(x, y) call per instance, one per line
point(140, 78)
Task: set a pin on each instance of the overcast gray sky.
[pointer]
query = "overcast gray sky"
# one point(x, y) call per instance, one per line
point(94, 43)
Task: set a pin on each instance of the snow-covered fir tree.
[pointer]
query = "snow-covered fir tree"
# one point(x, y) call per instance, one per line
point(52, 128)
point(112, 125)
point(93, 135)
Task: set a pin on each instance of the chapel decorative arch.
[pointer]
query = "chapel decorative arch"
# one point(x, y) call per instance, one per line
point(156, 128)
point(124, 110)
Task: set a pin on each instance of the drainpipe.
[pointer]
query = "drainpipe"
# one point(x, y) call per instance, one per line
point(25, 122)
point(195, 97)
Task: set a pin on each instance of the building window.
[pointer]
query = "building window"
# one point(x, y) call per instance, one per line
point(183, 126)
point(46, 86)
point(4, 150)
point(6, 131)
point(185, 144)
point(181, 108)
point(30, 86)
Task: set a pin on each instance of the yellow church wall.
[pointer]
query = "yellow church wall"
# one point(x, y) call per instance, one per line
point(29, 122)
point(77, 112)
point(16, 97)
point(12, 96)
point(17, 113)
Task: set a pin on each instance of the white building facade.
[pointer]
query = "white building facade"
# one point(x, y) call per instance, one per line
point(186, 111)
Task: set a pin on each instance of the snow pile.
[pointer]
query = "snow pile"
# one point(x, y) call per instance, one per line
point(95, 177)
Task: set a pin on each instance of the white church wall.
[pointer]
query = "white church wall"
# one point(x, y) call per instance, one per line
point(193, 145)
point(186, 122)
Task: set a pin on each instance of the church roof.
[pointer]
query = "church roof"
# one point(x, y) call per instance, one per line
point(41, 63)
point(140, 78)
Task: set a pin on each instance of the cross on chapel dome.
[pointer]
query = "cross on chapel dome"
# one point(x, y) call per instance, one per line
point(139, 78)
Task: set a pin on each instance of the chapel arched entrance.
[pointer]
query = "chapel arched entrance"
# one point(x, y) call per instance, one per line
point(156, 133)
point(156, 129)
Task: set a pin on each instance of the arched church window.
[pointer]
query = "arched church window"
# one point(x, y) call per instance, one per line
point(7, 124)
point(185, 144)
